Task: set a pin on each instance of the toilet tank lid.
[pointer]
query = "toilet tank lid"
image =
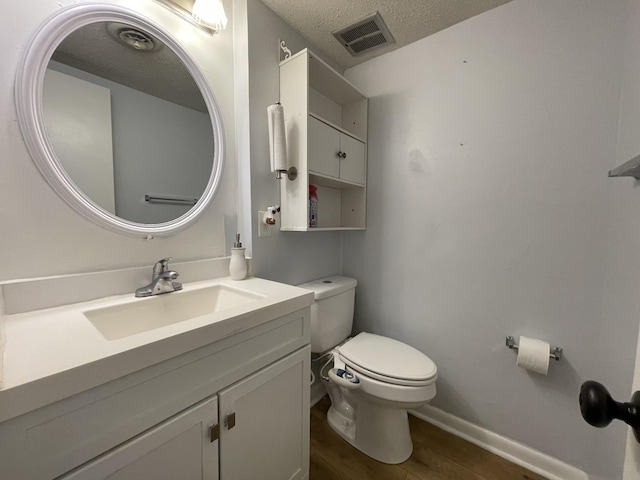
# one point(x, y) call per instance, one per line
point(329, 286)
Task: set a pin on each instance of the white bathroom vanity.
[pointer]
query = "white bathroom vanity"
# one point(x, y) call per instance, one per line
point(93, 390)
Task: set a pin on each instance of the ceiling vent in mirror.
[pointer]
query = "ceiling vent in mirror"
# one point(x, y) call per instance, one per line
point(364, 35)
point(133, 37)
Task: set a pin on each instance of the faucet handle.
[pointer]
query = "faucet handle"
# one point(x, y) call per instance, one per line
point(169, 275)
point(161, 266)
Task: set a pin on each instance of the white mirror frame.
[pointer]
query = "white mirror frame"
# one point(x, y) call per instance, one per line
point(28, 96)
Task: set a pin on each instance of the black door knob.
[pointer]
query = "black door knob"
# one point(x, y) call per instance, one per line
point(599, 409)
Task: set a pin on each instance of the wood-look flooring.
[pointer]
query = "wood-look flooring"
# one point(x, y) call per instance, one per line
point(437, 455)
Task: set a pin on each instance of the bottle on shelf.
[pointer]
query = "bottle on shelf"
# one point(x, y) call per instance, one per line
point(313, 206)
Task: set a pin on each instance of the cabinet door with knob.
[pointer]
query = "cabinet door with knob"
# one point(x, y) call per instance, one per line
point(335, 154)
point(256, 428)
point(352, 160)
point(184, 447)
point(324, 148)
point(265, 423)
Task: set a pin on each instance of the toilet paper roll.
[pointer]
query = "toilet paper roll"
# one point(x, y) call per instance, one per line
point(533, 355)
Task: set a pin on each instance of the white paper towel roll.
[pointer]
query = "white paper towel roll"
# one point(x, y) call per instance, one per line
point(277, 137)
point(533, 354)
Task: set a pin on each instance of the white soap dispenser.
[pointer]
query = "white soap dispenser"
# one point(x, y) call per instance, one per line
point(238, 262)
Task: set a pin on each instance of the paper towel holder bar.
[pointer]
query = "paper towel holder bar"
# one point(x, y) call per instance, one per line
point(291, 173)
point(555, 352)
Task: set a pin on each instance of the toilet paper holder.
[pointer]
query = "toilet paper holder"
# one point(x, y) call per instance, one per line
point(554, 352)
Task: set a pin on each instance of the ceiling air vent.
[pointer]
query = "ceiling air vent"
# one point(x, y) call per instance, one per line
point(364, 35)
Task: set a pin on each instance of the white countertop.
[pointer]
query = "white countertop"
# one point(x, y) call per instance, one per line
point(54, 353)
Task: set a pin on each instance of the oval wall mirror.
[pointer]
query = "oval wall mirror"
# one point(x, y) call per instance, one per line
point(119, 120)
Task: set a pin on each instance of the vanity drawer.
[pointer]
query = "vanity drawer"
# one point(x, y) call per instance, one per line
point(64, 435)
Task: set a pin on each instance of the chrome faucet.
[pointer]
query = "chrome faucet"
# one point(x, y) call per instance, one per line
point(162, 280)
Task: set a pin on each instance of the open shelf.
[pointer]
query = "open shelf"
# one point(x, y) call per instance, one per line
point(337, 127)
point(326, 181)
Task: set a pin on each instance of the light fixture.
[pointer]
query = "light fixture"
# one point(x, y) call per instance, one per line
point(210, 13)
point(207, 15)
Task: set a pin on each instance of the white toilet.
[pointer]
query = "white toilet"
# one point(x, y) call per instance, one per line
point(374, 379)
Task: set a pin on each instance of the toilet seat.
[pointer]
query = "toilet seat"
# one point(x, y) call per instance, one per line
point(388, 360)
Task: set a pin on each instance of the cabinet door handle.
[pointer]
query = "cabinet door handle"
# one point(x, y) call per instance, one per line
point(214, 432)
point(230, 421)
point(342, 155)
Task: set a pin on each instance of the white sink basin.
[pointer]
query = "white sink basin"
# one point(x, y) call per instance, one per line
point(142, 315)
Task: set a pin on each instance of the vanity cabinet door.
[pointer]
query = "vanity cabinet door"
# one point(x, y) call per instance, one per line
point(179, 448)
point(265, 423)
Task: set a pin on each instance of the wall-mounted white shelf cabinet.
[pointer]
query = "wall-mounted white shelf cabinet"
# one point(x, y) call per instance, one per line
point(326, 122)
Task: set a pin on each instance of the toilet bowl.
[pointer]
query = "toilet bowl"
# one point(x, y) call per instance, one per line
point(372, 380)
point(393, 377)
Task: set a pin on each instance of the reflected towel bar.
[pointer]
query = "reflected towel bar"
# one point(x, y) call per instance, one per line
point(175, 199)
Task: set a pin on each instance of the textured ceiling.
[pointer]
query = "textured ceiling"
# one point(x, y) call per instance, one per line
point(162, 74)
point(408, 20)
point(159, 73)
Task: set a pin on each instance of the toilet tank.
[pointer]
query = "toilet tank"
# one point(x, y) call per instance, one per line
point(331, 312)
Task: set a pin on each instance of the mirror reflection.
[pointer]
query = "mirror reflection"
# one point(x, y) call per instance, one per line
point(128, 123)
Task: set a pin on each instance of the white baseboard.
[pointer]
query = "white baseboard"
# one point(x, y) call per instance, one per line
point(504, 447)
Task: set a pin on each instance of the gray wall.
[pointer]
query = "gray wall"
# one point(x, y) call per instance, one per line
point(289, 257)
point(40, 234)
point(490, 215)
